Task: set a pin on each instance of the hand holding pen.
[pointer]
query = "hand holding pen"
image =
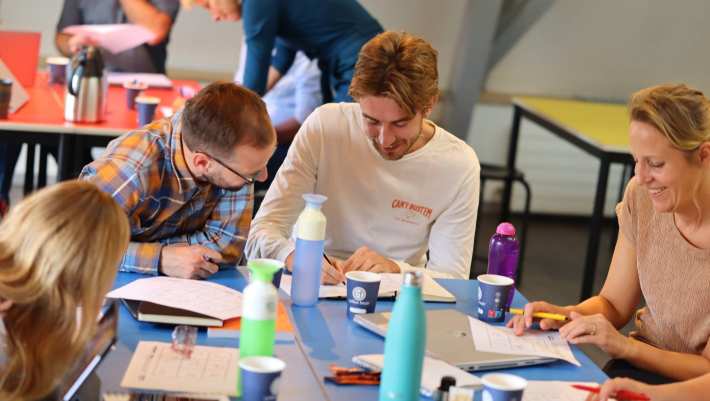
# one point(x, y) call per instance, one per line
point(332, 272)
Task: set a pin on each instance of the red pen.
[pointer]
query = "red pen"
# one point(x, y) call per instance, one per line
point(622, 395)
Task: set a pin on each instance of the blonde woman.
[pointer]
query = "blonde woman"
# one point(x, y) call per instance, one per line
point(663, 250)
point(59, 253)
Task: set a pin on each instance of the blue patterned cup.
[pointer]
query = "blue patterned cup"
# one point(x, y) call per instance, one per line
point(503, 387)
point(146, 106)
point(57, 69)
point(363, 288)
point(260, 376)
point(493, 293)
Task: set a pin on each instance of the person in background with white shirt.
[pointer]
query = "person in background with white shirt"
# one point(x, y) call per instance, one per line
point(397, 184)
point(289, 102)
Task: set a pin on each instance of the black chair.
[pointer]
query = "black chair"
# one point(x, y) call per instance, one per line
point(501, 173)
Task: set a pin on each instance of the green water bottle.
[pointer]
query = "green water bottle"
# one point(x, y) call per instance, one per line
point(258, 325)
point(404, 343)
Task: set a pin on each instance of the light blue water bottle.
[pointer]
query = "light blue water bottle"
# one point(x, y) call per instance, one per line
point(310, 239)
point(404, 343)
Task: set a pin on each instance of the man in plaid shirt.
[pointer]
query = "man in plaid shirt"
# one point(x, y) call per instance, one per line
point(186, 182)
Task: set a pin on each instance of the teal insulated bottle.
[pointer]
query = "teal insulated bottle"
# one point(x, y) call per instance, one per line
point(404, 343)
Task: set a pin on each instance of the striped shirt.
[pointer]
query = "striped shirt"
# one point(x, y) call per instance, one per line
point(145, 172)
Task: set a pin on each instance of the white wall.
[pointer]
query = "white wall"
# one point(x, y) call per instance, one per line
point(602, 50)
point(608, 48)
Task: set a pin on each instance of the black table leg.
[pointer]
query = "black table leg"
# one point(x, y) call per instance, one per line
point(510, 164)
point(66, 157)
point(29, 169)
point(595, 228)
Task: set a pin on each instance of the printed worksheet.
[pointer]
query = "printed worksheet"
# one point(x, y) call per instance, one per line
point(209, 370)
point(503, 341)
point(198, 296)
point(554, 391)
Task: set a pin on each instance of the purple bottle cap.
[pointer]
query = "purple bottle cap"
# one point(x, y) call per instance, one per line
point(506, 229)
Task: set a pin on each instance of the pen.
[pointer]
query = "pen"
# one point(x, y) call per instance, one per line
point(541, 315)
point(328, 260)
point(621, 395)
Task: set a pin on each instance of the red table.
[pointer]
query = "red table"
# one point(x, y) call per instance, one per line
point(41, 121)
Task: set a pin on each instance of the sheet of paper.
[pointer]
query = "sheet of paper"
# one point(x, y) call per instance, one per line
point(152, 80)
point(203, 297)
point(115, 38)
point(19, 95)
point(554, 391)
point(388, 286)
point(433, 290)
point(209, 370)
point(432, 372)
point(503, 341)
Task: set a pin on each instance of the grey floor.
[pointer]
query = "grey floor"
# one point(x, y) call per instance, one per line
point(553, 260)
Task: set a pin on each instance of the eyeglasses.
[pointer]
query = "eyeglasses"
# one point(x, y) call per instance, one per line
point(249, 180)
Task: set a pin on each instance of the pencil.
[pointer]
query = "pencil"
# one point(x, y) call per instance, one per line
point(541, 315)
point(622, 395)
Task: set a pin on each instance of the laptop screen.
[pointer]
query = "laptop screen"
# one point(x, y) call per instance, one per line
point(94, 352)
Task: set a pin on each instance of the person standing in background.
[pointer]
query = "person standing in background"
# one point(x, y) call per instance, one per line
point(156, 15)
point(332, 31)
point(289, 102)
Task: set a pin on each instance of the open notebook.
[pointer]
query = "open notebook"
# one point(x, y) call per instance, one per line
point(431, 290)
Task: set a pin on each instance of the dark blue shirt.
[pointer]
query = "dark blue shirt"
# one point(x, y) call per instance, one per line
point(331, 30)
point(144, 58)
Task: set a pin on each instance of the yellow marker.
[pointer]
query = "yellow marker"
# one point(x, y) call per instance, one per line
point(541, 315)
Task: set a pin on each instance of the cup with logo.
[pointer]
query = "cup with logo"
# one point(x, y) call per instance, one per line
point(362, 292)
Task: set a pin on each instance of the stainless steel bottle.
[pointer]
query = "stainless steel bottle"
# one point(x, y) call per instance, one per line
point(85, 99)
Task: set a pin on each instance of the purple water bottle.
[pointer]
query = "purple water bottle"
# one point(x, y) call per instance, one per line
point(503, 251)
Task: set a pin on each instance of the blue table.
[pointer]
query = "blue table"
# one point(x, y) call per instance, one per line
point(328, 337)
point(325, 336)
point(298, 381)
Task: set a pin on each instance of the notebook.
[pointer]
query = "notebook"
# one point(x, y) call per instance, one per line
point(431, 290)
point(449, 339)
point(149, 312)
point(232, 327)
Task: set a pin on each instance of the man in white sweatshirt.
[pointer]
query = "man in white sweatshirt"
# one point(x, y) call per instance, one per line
point(397, 184)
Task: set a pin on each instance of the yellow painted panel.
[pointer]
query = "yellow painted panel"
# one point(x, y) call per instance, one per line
point(606, 124)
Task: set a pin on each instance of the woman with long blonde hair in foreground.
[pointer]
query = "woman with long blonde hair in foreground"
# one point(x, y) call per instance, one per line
point(59, 253)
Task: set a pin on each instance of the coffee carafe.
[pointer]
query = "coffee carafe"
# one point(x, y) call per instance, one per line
point(85, 99)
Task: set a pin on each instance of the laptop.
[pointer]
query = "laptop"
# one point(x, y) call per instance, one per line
point(449, 339)
point(94, 353)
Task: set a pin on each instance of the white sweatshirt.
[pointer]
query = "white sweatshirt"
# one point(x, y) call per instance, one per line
point(426, 200)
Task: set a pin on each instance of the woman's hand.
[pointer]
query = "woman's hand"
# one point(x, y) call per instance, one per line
point(597, 330)
point(612, 387)
point(521, 323)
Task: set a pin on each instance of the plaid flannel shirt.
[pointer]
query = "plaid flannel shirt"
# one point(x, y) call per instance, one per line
point(146, 173)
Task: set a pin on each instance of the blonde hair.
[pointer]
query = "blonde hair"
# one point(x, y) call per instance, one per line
point(59, 253)
point(399, 66)
point(679, 112)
